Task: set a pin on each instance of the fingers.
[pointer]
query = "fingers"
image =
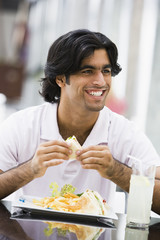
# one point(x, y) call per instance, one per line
point(98, 158)
point(49, 154)
point(93, 154)
point(54, 150)
point(55, 142)
point(92, 166)
point(53, 162)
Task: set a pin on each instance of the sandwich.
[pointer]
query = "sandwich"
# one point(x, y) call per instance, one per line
point(75, 146)
point(92, 203)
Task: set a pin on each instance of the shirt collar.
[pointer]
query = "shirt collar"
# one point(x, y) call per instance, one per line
point(99, 133)
point(50, 130)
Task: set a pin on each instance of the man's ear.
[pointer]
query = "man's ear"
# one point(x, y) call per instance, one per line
point(61, 80)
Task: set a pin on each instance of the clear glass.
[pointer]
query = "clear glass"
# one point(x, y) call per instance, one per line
point(140, 198)
point(136, 234)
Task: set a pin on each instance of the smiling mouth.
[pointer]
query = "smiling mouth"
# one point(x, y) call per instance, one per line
point(96, 93)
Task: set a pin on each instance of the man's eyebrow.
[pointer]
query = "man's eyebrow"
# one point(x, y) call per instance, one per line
point(107, 66)
point(92, 67)
point(87, 66)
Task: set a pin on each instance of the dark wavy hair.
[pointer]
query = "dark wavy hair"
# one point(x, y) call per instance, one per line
point(66, 54)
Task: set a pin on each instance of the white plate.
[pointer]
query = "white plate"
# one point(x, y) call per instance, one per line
point(25, 203)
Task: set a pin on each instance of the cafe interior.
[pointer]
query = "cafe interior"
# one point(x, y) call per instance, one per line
point(27, 30)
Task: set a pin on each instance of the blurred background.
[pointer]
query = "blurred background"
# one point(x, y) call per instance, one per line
point(28, 28)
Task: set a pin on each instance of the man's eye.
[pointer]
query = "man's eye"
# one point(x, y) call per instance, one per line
point(88, 71)
point(107, 71)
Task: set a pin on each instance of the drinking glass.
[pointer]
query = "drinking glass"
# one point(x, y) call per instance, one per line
point(136, 234)
point(140, 197)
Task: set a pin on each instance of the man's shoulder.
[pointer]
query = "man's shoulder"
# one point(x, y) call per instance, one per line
point(30, 115)
point(113, 116)
point(34, 110)
point(119, 123)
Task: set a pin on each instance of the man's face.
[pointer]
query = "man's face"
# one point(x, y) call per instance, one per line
point(89, 86)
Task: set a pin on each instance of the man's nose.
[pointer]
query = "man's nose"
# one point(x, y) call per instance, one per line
point(99, 79)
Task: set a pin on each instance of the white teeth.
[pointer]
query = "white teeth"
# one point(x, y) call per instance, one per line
point(93, 93)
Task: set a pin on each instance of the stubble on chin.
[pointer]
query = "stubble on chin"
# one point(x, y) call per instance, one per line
point(95, 108)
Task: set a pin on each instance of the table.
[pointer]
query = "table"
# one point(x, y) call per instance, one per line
point(31, 229)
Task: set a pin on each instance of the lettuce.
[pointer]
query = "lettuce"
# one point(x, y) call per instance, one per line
point(54, 187)
point(67, 188)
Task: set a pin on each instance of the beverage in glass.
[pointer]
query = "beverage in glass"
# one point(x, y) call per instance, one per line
point(136, 234)
point(140, 198)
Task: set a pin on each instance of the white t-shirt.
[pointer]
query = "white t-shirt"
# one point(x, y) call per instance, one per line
point(23, 131)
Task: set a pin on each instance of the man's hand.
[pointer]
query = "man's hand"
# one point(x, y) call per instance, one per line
point(49, 154)
point(99, 158)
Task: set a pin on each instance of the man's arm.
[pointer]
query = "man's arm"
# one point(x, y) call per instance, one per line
point(156, 193)
point(99, 158)
point(12, 180)
point(48, 154)
point(121, 175)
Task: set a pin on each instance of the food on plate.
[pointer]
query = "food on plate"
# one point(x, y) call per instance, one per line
point(82, 232)
point(88, 202)
point(93, 203)
point(74, 146)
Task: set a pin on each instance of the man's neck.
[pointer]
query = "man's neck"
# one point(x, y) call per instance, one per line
point(76, 123)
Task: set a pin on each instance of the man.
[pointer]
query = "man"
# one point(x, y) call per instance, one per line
point(77, 80)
